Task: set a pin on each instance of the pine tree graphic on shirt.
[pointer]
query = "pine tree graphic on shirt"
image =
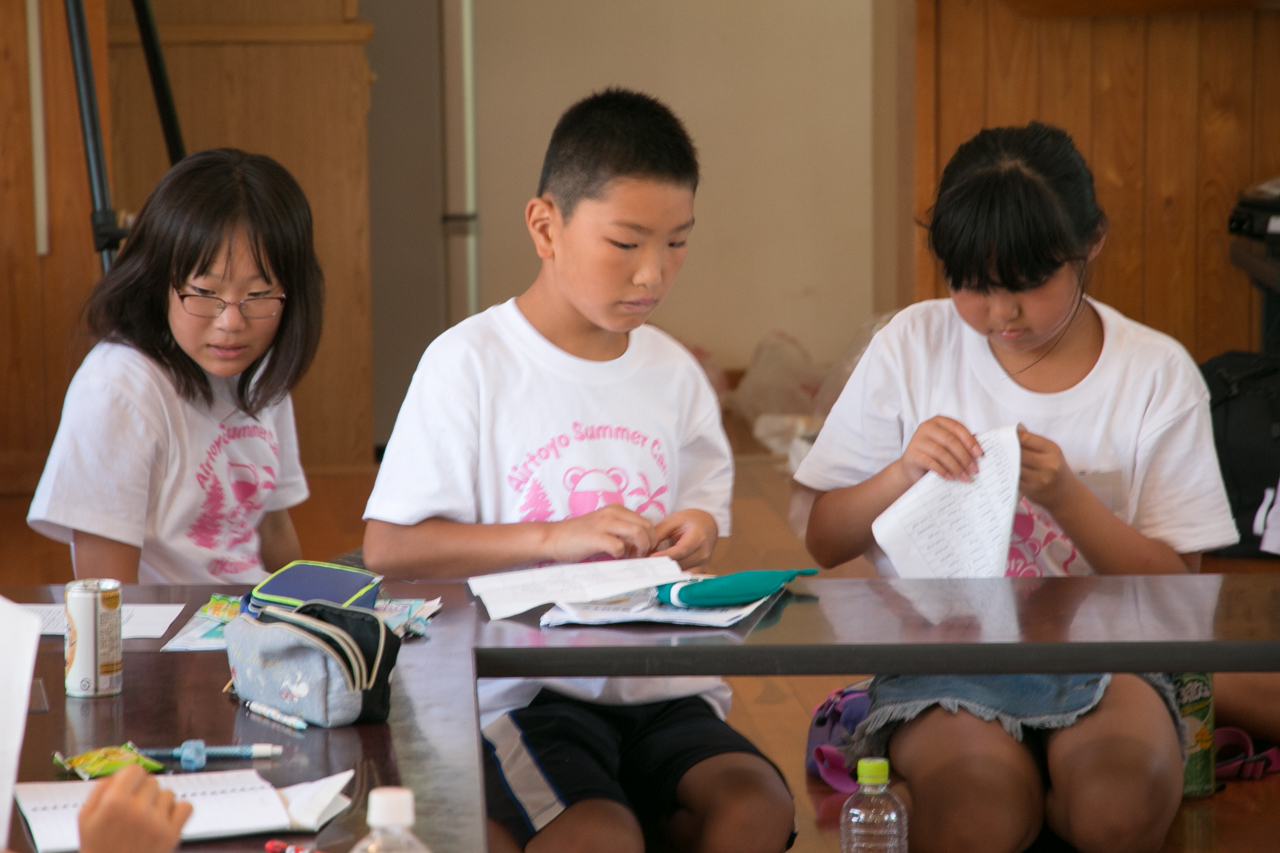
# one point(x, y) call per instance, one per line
point(536, 506)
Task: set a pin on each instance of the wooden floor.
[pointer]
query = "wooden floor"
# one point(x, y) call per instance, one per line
point(774, 711)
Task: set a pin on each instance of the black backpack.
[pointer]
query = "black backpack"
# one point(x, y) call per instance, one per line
point(1244, 398)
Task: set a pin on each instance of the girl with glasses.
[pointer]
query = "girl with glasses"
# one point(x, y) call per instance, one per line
point(176, 459)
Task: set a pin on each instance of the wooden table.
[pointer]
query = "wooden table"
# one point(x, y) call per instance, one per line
point(431, 742)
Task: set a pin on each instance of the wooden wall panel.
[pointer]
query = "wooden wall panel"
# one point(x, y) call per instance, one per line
point(23, 435)
point(1266, 97)
point(1169, 202)
point(926, 142)
point(282, 91)
point(1115, 154)
point(961, 81)
point(40, 297)
point(1175, 112)
point(1065, 57)
point(1226, 314)
point(1012, 70)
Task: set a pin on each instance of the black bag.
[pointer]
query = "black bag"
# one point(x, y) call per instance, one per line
point(1244, 399)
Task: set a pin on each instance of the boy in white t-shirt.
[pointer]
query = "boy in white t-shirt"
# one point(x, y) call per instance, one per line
point(557, 428)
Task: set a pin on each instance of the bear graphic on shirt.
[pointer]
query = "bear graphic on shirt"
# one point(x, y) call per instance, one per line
point(235, 495)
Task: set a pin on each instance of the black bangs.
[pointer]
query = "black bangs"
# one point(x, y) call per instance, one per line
point(1014, 205)
point(1001, 227)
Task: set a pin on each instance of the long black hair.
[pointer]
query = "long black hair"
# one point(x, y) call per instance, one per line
point(183, 226)
point(1014, 205)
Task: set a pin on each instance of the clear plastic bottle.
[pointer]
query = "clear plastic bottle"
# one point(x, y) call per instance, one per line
point(874, 819)
point(390, 816)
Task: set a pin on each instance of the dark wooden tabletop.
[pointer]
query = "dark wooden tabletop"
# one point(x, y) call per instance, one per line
point(431, 742)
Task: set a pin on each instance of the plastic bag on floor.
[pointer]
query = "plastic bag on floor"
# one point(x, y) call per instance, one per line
point(781, 379)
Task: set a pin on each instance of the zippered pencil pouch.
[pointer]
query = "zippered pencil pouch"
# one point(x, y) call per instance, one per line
point(306, 580)
point(328, 664)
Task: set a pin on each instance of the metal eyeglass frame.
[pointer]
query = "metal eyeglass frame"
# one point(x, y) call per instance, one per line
point(279, 300)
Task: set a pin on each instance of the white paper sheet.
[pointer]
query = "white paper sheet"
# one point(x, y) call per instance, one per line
point(508, 593)
point(225, 803)
point(643, 606)
point(952, 529)
point(19, 638)
point(138, 622)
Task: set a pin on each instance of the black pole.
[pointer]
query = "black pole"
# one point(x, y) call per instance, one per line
point(159, 80)
point(106, 237)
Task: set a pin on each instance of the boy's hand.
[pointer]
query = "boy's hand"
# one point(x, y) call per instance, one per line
point(943, 446)
point(1045, 477)
point(613, 529)
point(129, 813)
point(690, 536)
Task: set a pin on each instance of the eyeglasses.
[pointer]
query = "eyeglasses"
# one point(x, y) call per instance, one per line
point(209, 307)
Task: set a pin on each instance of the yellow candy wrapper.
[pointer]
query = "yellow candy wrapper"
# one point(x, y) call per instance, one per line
point(222, 608)
point(105, 761)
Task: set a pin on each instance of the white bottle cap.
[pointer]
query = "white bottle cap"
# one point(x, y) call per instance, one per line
point(389, 808)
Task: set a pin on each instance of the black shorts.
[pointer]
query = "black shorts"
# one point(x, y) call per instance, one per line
point(556, 751)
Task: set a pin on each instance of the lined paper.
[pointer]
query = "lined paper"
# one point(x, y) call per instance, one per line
point(138, 622)
point(953, 529)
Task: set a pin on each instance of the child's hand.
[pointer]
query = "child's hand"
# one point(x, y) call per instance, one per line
point(690, 537)
point(1045, 477)
point(613, 529)
point(129, 813)
point(943, 446)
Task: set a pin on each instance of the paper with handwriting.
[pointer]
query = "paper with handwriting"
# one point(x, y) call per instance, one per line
point(952, 529)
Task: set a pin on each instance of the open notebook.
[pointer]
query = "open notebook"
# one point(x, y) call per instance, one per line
point(225, 803)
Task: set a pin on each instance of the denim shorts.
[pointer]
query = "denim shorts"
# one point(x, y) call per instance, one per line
point(1018, 701)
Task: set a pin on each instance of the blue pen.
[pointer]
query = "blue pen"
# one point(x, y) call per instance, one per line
point(193, 753)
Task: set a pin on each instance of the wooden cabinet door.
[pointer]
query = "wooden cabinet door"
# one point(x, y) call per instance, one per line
point(40, 297)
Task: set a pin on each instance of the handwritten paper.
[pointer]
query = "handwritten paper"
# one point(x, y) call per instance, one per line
point(509, 593)
point(225, 803)
point(953, 529)
point(138, 622)
point(19, 638)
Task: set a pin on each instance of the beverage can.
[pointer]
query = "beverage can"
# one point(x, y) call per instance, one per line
point(1194, 692)
point(94, 653)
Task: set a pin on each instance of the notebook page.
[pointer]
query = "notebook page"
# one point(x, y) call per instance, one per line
point(19, 638)
point(137, 622)
point(952, 529)
point(508, 593)
point(224, 803)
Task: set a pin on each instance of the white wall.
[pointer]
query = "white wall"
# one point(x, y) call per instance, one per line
point(777, 95)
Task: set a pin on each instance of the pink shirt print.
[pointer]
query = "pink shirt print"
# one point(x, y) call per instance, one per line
point(1039, 546)
point(588, 467)
point(238, 471)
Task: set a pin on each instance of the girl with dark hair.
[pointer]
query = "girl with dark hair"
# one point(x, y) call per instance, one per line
point(176, 458)
point(1118, 475)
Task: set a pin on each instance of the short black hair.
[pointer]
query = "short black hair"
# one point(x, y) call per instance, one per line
point(616, 133)
point(1014, 204)
point(180, 230)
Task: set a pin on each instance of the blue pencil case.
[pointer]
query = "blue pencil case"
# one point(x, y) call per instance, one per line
point(304, 580)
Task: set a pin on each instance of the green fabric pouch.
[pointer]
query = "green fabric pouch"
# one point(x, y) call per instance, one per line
point(728, 590)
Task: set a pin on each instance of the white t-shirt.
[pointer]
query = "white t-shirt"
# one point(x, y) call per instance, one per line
point(1136, 429)
point(186, 482)
point(500, 425)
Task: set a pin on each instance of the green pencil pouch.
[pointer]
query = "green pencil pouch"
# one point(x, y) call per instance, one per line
point(728, 590)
